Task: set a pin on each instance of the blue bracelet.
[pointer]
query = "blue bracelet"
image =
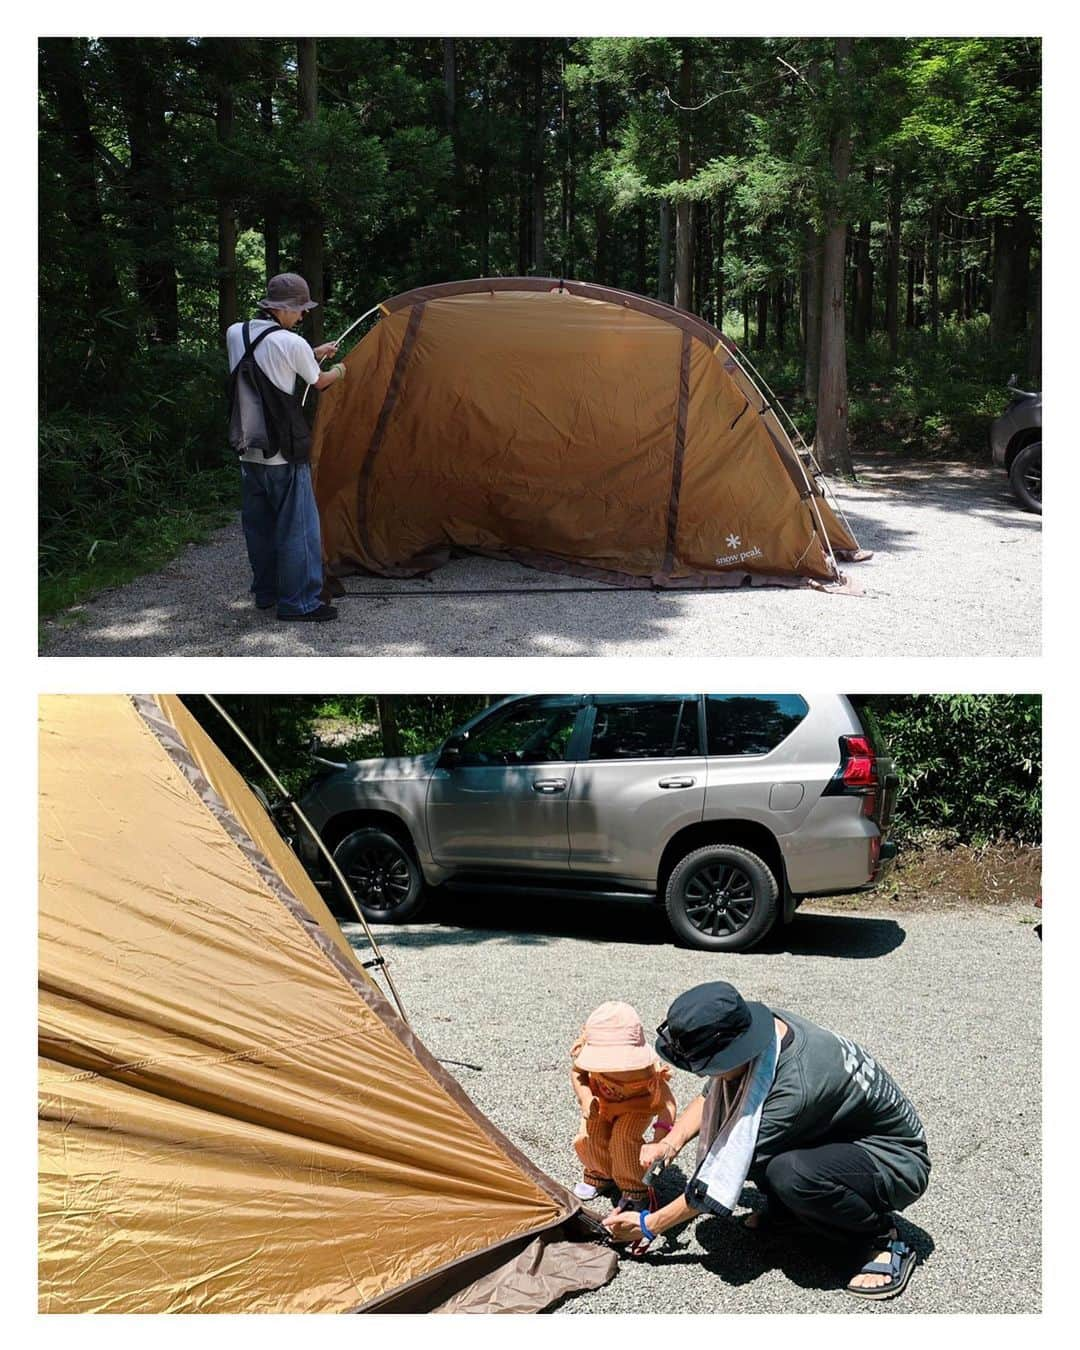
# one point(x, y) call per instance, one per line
point(641, 1222)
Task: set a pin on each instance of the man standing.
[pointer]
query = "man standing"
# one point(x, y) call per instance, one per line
point(280, 518)
point(811, 1118)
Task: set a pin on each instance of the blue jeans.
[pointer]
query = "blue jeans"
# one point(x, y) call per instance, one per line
point(281, 527)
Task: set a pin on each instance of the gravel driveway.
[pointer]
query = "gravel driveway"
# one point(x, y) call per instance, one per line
point(949, 1002)
point(956, 572)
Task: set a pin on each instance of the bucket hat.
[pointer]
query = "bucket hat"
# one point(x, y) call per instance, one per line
point(613, 1040)
point(712, 1028)
point(288, 290)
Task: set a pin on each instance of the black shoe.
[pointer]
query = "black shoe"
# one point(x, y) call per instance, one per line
point(270, 604)
point(321, 615)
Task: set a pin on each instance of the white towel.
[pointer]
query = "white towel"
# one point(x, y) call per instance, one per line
point(728, 1136)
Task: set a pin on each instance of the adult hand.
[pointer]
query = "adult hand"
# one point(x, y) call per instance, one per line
point(663, 1149)
point(623, 1227)
point(325, 350)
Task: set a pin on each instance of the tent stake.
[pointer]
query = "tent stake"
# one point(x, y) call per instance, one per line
point(342, 338)
point(380, 960)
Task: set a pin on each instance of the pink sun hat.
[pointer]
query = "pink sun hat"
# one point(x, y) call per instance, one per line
point(614, 1040)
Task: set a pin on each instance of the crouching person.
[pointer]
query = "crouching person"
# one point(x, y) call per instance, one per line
point(621, 1091)
point(811, 1118)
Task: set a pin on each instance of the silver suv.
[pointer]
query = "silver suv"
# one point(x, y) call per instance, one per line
point(728, 809)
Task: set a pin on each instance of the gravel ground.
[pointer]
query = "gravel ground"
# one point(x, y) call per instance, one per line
point(949, 1002)
point(956, 572)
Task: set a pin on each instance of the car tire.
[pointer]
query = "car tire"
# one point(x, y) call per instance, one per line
point(722, 898)
point(1025, 477)
point(384, 876)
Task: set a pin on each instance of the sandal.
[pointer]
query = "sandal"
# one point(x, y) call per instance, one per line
point(898, 1268)
point(767, 1224)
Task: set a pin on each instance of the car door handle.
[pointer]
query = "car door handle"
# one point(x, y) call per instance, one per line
point(676, 782)
point(549, 785)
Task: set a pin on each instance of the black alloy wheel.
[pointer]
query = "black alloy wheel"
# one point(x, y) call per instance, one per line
point(382, 874)
point(718, 898)
point(1025, 477)
point(722, 897)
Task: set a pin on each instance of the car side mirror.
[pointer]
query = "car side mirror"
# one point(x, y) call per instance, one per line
point(450, 755)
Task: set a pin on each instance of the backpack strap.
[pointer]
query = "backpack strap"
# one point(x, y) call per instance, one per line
point(250, 346)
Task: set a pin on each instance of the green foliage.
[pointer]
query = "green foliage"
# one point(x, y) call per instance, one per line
point(970, 766)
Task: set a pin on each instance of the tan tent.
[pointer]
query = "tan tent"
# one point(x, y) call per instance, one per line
point(232, 1116)
point(571, 427)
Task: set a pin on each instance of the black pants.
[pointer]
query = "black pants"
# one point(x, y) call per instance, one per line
point(834, 1189)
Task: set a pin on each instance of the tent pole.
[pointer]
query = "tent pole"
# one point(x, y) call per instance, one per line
point(342, 338)
point(321, 846)
point(778, 407)
point(736, 356)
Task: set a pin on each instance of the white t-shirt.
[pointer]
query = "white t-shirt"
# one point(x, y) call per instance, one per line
point(281, 357)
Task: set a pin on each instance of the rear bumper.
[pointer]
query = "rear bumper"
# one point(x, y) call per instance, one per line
point(886, 862)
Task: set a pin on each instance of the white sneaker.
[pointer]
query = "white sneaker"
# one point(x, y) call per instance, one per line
point(584, 1191)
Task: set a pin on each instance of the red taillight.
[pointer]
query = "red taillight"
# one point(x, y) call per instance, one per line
point(858, 773)
point(860, 764)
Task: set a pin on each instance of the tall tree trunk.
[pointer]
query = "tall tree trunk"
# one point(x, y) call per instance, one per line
point(932, 271)
point(718, 249)
point(815, 244)
point(831, 435)
point(745, 317)
point(150, 195)
point(600, 212)
point(683, 248)
point(311, 228)
point(389, 731)
point(539, 259)
point(1035, 351)
point(761, 336)
point(864, 278)
point(779, 312)
point(1008, 305)
point(663, 266)
point(271, 214)
point(641, 236)
point(909, 308)
point(892, 268)
point(228, 308)
point(61, 74)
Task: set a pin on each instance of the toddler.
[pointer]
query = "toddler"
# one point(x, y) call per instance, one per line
point(622, 1089)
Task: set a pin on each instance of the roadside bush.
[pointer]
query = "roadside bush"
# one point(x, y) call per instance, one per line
point(122, 488)
point(970, 766)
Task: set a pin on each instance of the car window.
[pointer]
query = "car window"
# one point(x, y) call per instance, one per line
point(641, 729)
point(751, 724)
point(527, 733)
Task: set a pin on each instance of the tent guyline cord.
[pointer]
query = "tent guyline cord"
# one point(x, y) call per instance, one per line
point(781, 411)
point(380, 961)
point(737, 357)
point(373, 310)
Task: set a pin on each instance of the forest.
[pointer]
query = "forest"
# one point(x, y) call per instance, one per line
point(862, 215)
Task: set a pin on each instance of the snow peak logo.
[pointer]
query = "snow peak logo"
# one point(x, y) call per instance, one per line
point(738, 554)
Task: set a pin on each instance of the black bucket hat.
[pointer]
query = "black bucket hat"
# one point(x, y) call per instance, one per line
point(711, 1029)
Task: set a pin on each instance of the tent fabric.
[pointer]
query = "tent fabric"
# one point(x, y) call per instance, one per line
point(570, 427)
point(232, 1116)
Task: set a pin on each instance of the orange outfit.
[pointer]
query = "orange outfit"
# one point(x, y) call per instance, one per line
point(609, 1141)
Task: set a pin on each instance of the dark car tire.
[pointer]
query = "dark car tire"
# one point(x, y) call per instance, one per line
point(384, 876)
point(1025, 477)
point(726, 888)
